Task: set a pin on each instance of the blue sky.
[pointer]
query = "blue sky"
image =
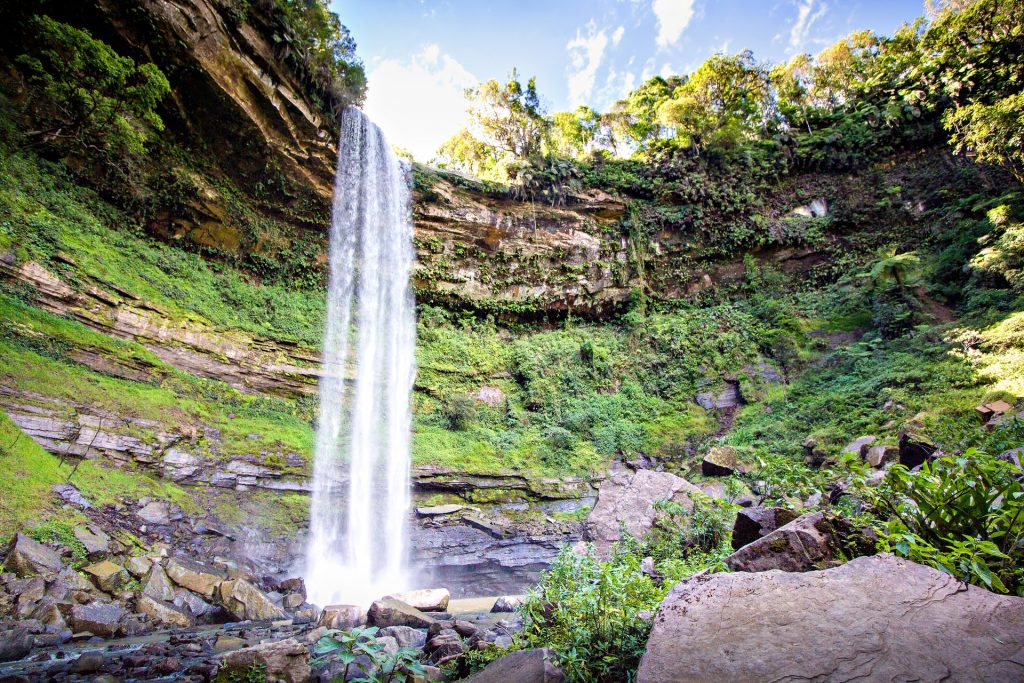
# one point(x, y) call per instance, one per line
point(421, 54)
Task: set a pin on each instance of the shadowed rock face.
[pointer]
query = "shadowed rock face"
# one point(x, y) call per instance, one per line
point(875, 618)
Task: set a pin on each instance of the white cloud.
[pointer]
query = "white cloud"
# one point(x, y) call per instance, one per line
point(617, 36)
point(673, 18)
point(419, 103)
point(808, 12)
point(585, 57)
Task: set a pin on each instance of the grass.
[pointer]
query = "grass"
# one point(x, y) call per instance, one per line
point(27, 473)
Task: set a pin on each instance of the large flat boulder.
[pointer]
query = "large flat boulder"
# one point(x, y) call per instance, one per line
point(425, 599)
point(28, 557)
point(522, 666)
point(107, 575)
point(391, 612)
point(874, 619)
point(195, 576)
point(164, 613)
point(630, 499)
point(284, 661)
point(245, 601)
point(97, 618)
point(157, 585)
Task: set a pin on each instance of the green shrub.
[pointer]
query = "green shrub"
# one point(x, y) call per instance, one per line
point(349, 646)
point(963, 515)
point(459, 411)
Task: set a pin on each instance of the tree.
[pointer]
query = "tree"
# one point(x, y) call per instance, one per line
point(723, 102)
point(841, 70)
point(977, 54)
point(507, 125)
point(575, 133)
point(636, 118)
point(84, 98)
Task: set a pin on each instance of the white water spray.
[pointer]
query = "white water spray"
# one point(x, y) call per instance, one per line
point(358, 537)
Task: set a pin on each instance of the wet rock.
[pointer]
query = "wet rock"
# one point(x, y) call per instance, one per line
point(156, 512)
point(95, 540)
point(342, 616)
point(284, 661)
point(98, 618)
point(15, 644)
point(729, 397)
point(293, 586)
point(507, 603)
point(405, 636)
point(195, 576)
point(108, 576)
point(163, 613)
point(812, 541)
point(524, 666)
point(720, 461)
point(875, 618)
point(88, 663)
point(465, 628)
point(292, 601)
point(630, 499)
point(27, 557)
point(157, 584)
point(245, 601)
point(426, 600)
point(391, 612)
point(445, 652)
point(753, 523)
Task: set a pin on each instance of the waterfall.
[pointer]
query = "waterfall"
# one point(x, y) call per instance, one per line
point(358, 537)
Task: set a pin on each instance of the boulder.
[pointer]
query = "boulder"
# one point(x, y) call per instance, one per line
point(157, 585)
point(95, 540)
point(522, 666)
point(342, 616)
point(753, 523)
point(163, 613)
point(245, 601)
point(196, 606)
point(507, 603)
point(860, 445)
point(107, 576)
point(720, 461)
point(426, 599)
point(437, 510)
point(195, 576)
point(812, 541)
point(28, 557)
point(157, 512)
point(876, 618)
point(139, 566)
point(391, 612)
point(630, 499)
point(284, 661)
point(915, 447)
point(98, 618)
point(880, 456)
point(292, 601)
point(15, 644)
point(405, 636)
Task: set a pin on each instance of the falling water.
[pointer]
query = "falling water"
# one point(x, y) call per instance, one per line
point(357, 543)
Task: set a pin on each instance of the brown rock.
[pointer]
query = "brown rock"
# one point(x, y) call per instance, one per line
point(391, 612)
point(108, 576)
point(630, 498)
point(426, 599)
point(507, 603)
point(720, 461)
point(195, 576)
point(284, 661)
point(875, 618)
point(163, 613)
point(245, 601)
point(860, 445)
point(753, 523)
point(523, 666)
point(28, 557)
point(811, 541)
point(158, 585)
point(98, 618)
point(879, 456)
point(95, 540)
point(914, 446)
point(342, 616)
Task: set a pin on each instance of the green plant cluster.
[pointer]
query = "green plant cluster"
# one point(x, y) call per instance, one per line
point(365, 659)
